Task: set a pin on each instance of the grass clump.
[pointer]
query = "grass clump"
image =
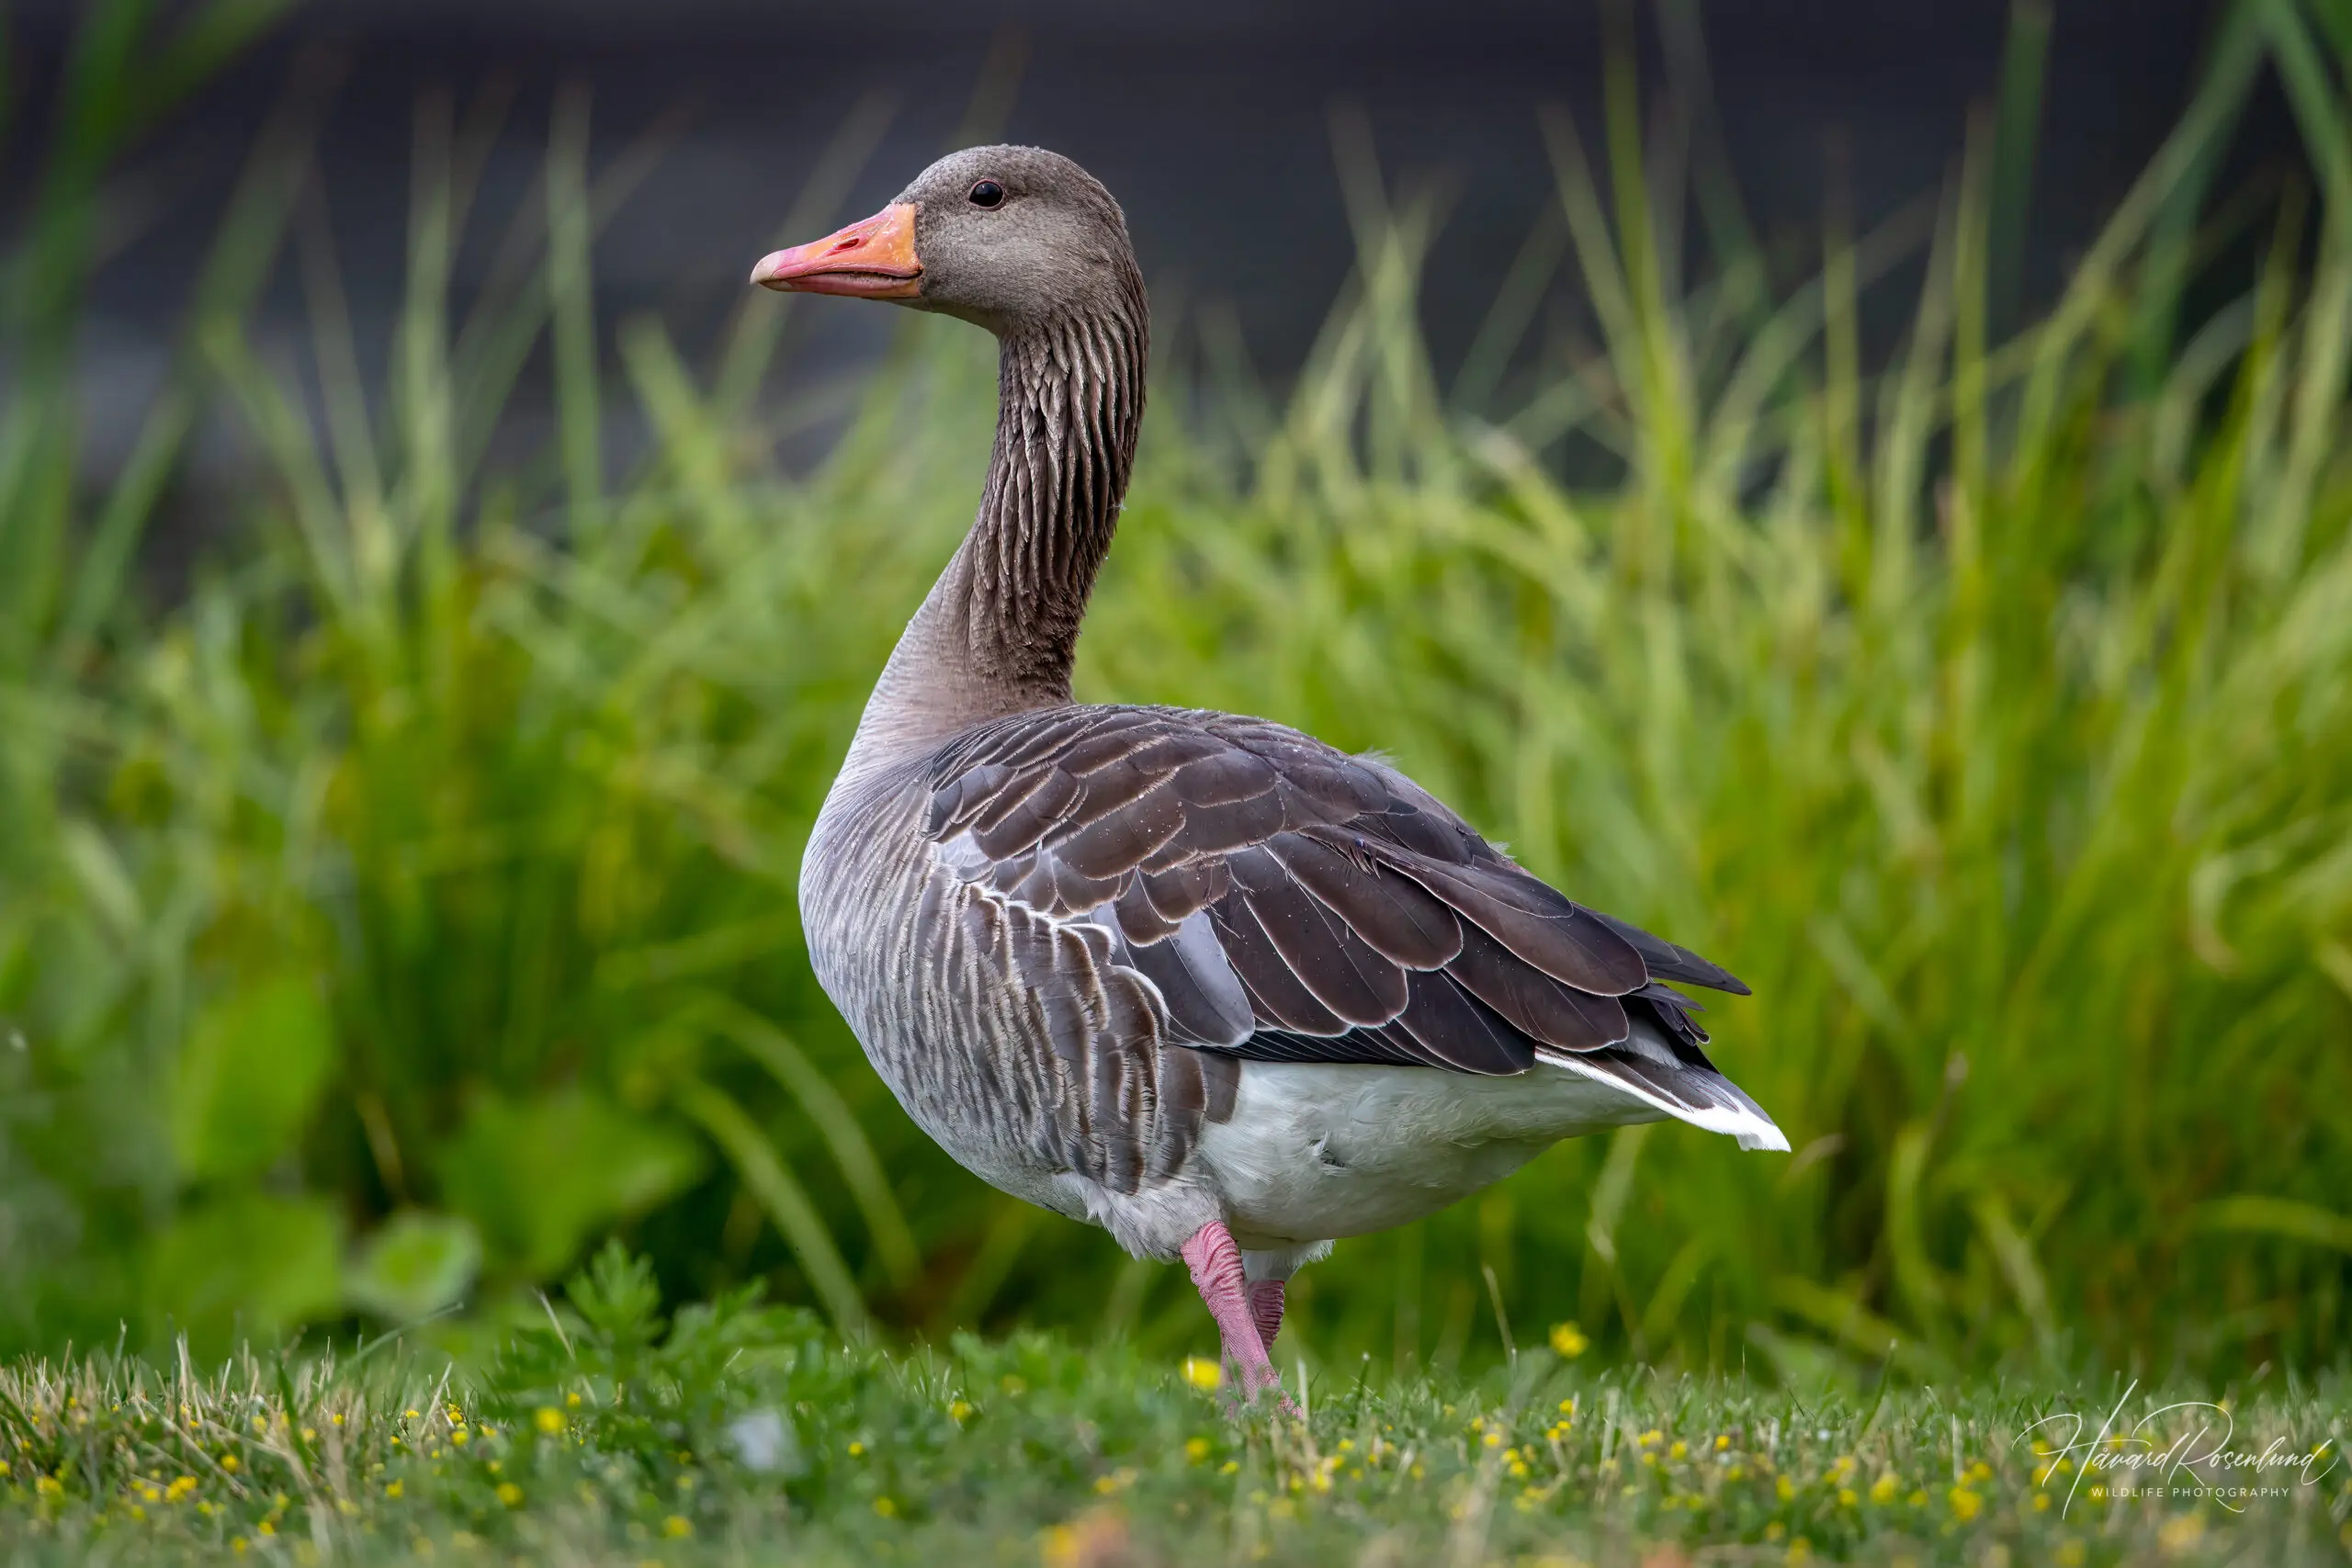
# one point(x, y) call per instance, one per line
point(601, 1434)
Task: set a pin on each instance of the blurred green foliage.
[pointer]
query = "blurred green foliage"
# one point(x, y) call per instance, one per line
point(410, 902)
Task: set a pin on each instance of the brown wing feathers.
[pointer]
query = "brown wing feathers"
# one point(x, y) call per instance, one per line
point(1289, 901)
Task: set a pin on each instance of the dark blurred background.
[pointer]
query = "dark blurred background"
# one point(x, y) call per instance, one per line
point(1211, 120)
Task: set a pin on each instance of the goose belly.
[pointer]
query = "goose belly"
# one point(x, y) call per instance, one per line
point(1315, 1151)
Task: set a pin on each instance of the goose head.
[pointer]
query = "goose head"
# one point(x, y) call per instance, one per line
point(1013, 239)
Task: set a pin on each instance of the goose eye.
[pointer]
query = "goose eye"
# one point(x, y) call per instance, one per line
point(988, 193)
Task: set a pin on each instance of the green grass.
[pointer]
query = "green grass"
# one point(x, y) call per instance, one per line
point(410, 902)
point(743, 1434)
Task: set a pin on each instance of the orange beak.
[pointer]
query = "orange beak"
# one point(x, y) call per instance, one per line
point(871, 260)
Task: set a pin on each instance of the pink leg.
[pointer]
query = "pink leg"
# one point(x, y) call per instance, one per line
point(1266, 1309)
point(1216, 1264)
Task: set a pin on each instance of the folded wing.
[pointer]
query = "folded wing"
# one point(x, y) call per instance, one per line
point(1291, 902)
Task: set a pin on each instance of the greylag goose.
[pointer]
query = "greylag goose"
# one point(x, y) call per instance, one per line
point(1199, 979)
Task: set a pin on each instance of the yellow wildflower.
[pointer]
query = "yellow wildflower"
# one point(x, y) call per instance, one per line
point(549, 1420)
point(677, 1527)
point(2180, 1532)
point(1965, 1504)
point(1202, 1373)
point(1568, 1341)
point(510, 1494)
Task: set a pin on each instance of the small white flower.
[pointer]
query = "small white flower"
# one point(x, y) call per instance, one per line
point(766, 1443)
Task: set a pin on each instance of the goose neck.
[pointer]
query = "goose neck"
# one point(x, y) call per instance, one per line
point(999, 632)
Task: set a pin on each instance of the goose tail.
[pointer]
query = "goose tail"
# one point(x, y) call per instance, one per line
point(1699, 1095)
point(1661, 1064)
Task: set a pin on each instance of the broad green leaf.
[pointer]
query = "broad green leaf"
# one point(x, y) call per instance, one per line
point(541, 1175)
point(245, 1266)
point(414, 1265)
point(249, 1077)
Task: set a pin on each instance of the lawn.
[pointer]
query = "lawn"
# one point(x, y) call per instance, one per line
point(598, 1434)
point(402, 902)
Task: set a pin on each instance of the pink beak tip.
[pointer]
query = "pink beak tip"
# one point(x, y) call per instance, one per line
point(765, 273)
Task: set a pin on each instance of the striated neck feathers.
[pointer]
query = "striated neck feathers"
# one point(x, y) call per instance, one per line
point(999, 632)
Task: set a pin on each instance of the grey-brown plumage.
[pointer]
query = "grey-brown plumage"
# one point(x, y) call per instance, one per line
point(1166, 970)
